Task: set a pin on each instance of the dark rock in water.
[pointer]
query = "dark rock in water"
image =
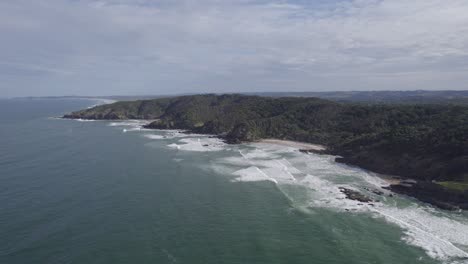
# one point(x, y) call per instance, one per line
point(205, 145)
point(355, 195)
point(341, 160)
point(313, 151)
point(377, 192)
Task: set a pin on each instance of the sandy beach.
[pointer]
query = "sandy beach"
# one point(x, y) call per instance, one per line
point(293, 144)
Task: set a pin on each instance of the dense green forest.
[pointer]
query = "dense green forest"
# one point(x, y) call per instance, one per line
point(383, 97)
point(425, 142)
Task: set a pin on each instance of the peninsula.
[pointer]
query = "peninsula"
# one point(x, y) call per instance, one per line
point(427, 143)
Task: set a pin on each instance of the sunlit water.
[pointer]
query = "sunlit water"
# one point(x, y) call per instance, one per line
point(110, 192)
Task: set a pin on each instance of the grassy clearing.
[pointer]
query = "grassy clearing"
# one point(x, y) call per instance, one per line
point(459, 186)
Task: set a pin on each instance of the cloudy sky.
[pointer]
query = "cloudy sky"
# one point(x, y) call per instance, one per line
point(110, 47)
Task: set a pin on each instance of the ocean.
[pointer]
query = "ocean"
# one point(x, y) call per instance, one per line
point(76, 191)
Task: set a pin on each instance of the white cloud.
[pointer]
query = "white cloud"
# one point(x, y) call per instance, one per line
point(144, 46)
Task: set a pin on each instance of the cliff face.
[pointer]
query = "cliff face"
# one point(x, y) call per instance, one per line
point(425, 142)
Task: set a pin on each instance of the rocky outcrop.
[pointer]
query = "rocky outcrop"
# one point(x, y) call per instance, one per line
point(355, 195)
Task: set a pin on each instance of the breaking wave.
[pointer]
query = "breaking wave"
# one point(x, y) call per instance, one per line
point(444, 236)
point(203, 144)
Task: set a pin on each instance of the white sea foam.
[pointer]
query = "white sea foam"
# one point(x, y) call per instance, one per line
point(438, 235)
point(131, 129)
point(252, 174)
point(259, 154)
point(130, 123)
point(151, 136)
point(85, 120)
point(121, 124)
point(288, 166)
point(441, 235)
point(261, 167)
point(273, 148)
point(281, 174)
point(202, 144)
point(174, 133)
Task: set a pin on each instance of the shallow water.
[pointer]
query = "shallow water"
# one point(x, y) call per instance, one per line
point(110, 192)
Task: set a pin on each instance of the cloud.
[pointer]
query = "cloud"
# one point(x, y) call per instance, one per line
point(144, 46)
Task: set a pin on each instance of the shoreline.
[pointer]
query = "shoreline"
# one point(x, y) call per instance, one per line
point(294, 144)
point(316, 148)
point(423, 191)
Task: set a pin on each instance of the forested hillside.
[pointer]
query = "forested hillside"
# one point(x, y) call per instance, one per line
point(427, 142)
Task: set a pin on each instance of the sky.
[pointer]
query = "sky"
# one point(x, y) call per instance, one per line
point(148, 47)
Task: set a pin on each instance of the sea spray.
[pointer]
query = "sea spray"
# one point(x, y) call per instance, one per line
point(437, 235)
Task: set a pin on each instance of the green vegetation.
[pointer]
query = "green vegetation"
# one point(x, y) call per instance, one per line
point(384, 97)
point(426, 142)
point(458, 186)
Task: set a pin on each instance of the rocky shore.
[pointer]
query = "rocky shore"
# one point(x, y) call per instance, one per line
point(424, 191)
point(425, 142)
point(432, 193)
point(355, 195)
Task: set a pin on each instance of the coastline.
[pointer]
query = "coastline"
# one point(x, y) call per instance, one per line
point(427, 192)
point(293, 144)
point(316, 148)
